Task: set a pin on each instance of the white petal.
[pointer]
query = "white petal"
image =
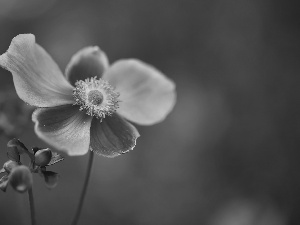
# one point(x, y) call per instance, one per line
point(113, 136)
point(86, 63)
point(37, 78)
point(147, 96)
point(64, 127)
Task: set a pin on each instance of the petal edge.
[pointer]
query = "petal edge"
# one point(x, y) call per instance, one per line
point(113, 136)
point(37, 78)
point(87, 62)
point(147, 95)
point(64, 127)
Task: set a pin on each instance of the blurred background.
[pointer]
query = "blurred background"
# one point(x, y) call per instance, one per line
point(228, 154)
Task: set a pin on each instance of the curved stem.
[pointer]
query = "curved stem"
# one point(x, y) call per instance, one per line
point(84, 189)
point(32, 210)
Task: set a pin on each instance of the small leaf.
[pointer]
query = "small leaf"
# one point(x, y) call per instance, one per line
point(15, 143)
point(4, 183)
point(18, 144)
point(21, 179)
point(51, 179)
point(55, 158)
point(13, 154)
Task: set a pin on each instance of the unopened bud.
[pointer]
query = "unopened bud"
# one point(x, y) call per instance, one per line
point(10, 165)
point(21, 178)
point(43, 157)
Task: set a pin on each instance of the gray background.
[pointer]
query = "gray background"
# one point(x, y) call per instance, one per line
point(229, 152)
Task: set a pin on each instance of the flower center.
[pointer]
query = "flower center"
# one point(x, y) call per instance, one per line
point(96, 96)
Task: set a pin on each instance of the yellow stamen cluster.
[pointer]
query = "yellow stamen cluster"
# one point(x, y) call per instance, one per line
point(96, 96)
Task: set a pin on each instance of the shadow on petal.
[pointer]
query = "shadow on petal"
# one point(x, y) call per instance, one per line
point(113, 136)
point(64, 127)
point(86, 63)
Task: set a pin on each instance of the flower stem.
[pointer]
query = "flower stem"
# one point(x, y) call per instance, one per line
point(32, 210)
point(84, 189)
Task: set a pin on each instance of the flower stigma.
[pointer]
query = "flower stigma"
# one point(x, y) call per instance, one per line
point(96, 96)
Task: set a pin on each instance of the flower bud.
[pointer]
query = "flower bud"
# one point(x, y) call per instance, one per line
point(43, 157)
point(21, 178)
point(10, 165)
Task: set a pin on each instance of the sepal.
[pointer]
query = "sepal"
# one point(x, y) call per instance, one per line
point(55, 158)
point(51, 179)
point(13, 154)
point(20, 147)
point(4, 183)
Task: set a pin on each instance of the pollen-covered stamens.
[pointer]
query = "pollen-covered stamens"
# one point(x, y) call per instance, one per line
point(96, 96)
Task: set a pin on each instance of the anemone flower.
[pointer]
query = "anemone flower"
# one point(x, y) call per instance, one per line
point(88, 107)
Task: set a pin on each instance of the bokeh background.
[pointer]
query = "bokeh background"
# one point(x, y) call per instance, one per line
point(229, 152)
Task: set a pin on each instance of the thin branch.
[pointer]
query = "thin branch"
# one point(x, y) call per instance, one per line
point(84, 189)
point(32, 209)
